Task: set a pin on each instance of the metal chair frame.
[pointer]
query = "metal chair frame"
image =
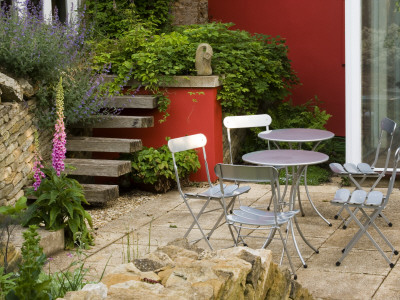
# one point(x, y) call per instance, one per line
point(358, 173)
point(252, 218)
point(250, 121)
point(213, 193)
point(362, 201)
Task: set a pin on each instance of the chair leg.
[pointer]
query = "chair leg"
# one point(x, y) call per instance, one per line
point(363, 230)
point(196, 221)
point(287, 254)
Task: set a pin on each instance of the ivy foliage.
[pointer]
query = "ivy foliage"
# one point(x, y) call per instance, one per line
point(254, 69)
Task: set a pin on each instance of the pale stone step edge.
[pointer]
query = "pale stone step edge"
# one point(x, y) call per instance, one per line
point(99, 144)
point(98, 167)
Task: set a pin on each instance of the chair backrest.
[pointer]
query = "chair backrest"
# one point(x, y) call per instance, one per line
point(247, 121)
point(258, 174)
point(393, 177)
point(389, 127)
point(188, 142)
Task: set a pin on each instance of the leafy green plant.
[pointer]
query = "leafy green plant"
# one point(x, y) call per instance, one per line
point(155, 166)
point(28, 284)
point(112, 19)
point(59, 205)
point(7, 282)
point(256, 70)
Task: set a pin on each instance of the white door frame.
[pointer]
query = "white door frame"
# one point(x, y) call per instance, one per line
point(353, 80)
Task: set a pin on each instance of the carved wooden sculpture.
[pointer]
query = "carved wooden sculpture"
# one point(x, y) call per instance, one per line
point(203, 59)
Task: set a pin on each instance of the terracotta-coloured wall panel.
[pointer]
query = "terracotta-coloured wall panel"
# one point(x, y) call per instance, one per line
point(192, 110)
point(314, 31)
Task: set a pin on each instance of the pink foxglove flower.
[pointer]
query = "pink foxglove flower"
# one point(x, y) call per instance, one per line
point(59, 138)
point(37, 165)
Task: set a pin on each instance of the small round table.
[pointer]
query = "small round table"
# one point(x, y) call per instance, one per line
point(298, 159)
point(299, 136)
point(296, 135)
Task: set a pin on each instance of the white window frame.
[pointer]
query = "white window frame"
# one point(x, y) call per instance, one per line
point(353, 80)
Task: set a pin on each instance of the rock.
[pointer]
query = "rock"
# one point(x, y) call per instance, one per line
point(27, 89)
point(234, 273)
point(12, 91)
point(98, 289)
point(146, 264)
point(13, 256)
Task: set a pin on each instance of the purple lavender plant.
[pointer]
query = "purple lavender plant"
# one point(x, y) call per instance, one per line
point(59, 139)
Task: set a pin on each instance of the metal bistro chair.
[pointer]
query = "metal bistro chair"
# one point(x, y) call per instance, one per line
point(362, 200)
point(252, 218)
point(212, 193)
point(358, 173)
point(249, 121)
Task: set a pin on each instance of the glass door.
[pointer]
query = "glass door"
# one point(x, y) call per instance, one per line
point(380, 72)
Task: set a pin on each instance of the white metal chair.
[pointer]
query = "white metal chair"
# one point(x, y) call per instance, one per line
point(248, 121)
point(373, 201)
point(358, 173)
point(252, 218)
point(212, 193)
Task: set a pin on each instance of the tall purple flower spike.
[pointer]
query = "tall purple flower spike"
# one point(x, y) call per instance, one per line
point(59, 138)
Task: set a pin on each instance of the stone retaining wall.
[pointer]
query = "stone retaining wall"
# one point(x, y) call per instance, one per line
point(180, 272)
point(16, 148)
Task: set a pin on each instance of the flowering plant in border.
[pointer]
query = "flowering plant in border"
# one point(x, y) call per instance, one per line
point(59, 198)
point(41, 51)
point(60, 137)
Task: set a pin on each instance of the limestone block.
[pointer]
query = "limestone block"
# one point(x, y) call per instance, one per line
point(27, 89)
point(18, 177)
point(11, 89)
point(6, 172)
point(13, 257)
point(4, 192)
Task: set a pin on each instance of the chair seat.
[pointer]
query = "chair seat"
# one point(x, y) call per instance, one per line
point(362, 169)
point(253, 216)
point(358, 198)
point(215, 192)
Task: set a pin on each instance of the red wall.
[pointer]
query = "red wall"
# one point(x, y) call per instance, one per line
point(189, 114)
point(314, 32)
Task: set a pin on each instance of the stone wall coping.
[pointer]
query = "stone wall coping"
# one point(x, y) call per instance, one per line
point(194, 81)
point(211, 81)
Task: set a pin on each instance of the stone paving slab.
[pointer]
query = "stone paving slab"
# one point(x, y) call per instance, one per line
point(364, 274)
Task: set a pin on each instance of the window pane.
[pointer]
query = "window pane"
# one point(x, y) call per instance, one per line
point(380, 72)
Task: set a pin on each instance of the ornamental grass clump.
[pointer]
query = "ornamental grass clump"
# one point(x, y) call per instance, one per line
point(59, 198)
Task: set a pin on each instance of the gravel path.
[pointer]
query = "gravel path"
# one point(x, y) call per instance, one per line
point(126, 202)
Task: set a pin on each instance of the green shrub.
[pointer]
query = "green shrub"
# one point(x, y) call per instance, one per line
point(256, 70)
point(59, 205)
point(28, 284)
point(155, 166)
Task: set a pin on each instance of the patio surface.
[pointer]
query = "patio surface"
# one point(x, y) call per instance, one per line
point(364, 274)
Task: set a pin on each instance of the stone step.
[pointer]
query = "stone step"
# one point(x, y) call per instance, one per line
point(96, 193)
point(100, 193)
point(120, 122)
point(137, 101)
point(98, 167)
point(99, 144)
